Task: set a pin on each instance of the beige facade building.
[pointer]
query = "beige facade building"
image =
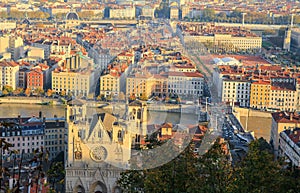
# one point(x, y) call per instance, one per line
point(140, 84)
point(122, 13)
point(283, 99)
point(77, 83)
point(34, 52)
point(174, 12)
point(16, 47)
point(109, 84)
point(4, 44)
point(236, 91)
point(186, 84)
point(227, 42)
point(148, 11)
point(9, 74)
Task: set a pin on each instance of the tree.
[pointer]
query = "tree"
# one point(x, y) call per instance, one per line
point(86, 14)
point(38, 15)
point(60, 16)
point(3, 14)
point(63, 93)
point(28, 92)
point(208, 14)
point(55, 173)
point(16, 14)
point(8, 88)
point(18, 91)
point(215, 169)
point(258, 172)
point(39, 91)
point(49, 93)
point(4, 92)
point(179, 175)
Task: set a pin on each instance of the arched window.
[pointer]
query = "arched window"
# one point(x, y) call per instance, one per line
point(119, 134)
point(139, 114)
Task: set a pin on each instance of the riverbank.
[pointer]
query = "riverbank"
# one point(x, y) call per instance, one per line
point(29, 100)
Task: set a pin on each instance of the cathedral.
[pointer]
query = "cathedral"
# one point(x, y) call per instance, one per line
point(99, 147)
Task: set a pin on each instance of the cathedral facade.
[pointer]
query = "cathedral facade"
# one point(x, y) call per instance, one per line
point(99, 148)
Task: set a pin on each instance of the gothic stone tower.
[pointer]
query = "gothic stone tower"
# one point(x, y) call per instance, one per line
point(96, 150)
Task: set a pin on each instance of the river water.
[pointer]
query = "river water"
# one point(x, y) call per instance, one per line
point(49, 111)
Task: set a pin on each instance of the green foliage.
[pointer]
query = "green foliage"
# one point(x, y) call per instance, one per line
point(8, 88)
point(56, 173)
point(38, 15)
point(3, 14)
point(213, 172)
point(86, 14)
point(60, 16)
point(16, 14)
point(208, 14)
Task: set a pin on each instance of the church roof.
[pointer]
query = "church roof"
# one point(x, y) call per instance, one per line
point(106, 118)
point(26, 21)
point(72, 16)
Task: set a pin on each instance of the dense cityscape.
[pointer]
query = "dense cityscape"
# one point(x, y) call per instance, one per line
point(135, 96)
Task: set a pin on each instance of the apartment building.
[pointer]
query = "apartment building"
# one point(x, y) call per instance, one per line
point(148, 11)
point(34, 52)
point(236, 90)
point(54, 136)
point(186, 84)
point(185, 11)
point(289, 145)
point(77, 82)
point(4, 44)
point(35, 79)
point(16, 47)
point(221, 38)
point(260, 94)
point(9, 74)
point(25, 134)
point(140, 83)
point(110, 84)
point(23, 78)
point(282, 121)
point(283, 99)
point(45, 45)
point(161, 85)
point(29, 133)
point(122, 13)
point(61, 47)
point(174, 12)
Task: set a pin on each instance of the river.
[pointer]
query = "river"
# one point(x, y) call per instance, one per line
point(26, 110)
